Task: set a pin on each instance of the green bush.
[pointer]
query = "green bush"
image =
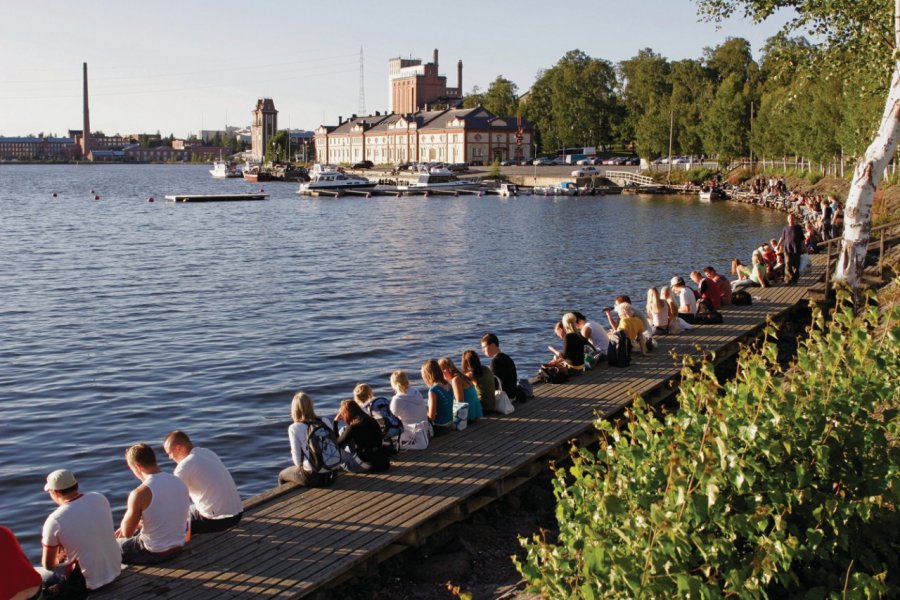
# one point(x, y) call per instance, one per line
point(780, 484)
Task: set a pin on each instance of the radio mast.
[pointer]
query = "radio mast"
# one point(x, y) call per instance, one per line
point(362, 84)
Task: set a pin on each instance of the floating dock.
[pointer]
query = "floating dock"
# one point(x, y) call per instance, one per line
point(297, 542)
point(215, 197)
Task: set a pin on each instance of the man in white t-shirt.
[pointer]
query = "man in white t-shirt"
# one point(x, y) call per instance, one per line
point(217, 504)
point(78, 536)
point(687, 299)
point(157, 518)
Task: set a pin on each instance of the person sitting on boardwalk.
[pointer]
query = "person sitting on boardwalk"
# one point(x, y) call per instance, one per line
point(463, 388)
point(676, 323)
point(592, 332)
point(440, 397)
point(569, 360)
point(20, 580)
point(687, 299)
point(303, 434)
point(360, 438)
point(708, 290)
point(723, 284)
point(363, 394)
point(658, 311)
point(216, 501)
point(79, 548)
point(157, 518)
point(502, 366)
point(631, 325)
point(483, 379)
point(753, 276)
point(409, 406)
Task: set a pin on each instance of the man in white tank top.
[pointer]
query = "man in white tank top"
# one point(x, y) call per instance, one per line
point(157, 518)
point(217, 504)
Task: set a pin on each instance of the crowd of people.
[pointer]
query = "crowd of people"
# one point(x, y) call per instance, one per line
point(83, 551)
point(822, 217)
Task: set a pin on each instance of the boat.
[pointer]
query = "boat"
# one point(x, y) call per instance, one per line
point(508, 189)
point(711, 194)
point(256, 174)
point(327, 178)
point(435, 178)
point(224, 169)
point(566, 188)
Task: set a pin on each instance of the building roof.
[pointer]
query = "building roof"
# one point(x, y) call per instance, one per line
point(472, 118)
point(37, 140)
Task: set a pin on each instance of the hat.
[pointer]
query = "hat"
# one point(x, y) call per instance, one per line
point(60, 479)
point(676, 281)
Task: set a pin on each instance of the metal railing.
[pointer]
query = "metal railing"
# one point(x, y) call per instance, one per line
point(872, 245)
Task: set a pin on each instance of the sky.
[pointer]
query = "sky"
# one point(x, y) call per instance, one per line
point(179, 66)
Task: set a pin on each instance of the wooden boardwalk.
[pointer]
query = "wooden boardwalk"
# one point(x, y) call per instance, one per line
point(295, 542)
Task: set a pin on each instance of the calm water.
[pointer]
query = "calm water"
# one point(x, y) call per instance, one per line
point(121, 320)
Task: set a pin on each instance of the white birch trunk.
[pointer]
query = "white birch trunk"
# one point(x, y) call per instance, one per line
point(867, 176)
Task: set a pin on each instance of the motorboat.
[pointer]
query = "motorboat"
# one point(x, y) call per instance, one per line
point(508, 190)
point(326, 178)
point(225, 169)
point(256, 174)
point(566, 188)
point(711, 194)
point(435, 178)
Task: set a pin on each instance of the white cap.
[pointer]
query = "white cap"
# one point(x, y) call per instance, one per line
point(60, 479)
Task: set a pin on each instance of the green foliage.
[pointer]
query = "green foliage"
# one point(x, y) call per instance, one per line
point(277, 148)
point(495, 169)
point(473, 99)
point(502, 97)
point(775, 484)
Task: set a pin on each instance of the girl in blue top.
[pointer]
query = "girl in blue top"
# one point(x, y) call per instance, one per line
point(463, 389)
point(440, 397)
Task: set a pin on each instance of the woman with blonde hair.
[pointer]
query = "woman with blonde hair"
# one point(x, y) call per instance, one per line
point(363, 394)
point(463, 389)
point(303, 415)
point(569, 360)
point(440, 397)
point(658, 312)
point(482, 377)
point(631, 325)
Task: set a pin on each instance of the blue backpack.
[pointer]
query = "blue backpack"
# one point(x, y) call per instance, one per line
point(618, 354)
point(391, 425)
point(321, 444)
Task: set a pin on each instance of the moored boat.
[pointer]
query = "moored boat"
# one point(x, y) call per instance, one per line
point(256, 173)
point(711, 194)
point(225, 169)
point(327, 178)
point(508, 189)
point(436, 179)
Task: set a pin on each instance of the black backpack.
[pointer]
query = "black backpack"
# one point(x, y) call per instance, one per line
point(618, 354)
point(391, 425)
point(708, 317)
point(321, 444)
point(741, 298)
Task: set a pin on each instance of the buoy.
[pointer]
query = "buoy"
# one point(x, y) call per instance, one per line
point(368, 194)
point(96, 197)
point(93, 192)
point(456, 194)
point(55, 194)
point(426, 194)
point(261, 190)
point(150, 199)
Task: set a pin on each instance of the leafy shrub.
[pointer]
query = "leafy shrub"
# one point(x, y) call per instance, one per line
point(776, 483)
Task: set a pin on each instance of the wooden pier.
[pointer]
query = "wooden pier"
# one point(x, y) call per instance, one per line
point(295, 542)
point(215, 197)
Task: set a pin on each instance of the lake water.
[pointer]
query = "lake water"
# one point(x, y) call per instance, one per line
point(124, 319)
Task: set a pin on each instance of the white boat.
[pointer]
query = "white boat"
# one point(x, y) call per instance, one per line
point(435, 179)
point(327, 178)
point(711, 194)
point(508, 189)
point(223, 169)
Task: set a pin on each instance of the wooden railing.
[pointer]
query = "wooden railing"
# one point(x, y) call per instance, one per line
point(629, 177)
point(879, 244)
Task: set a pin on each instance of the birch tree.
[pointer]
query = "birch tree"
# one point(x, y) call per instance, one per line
point(856, 34)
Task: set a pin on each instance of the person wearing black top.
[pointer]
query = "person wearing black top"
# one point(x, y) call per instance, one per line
point(501, 365)
point(363, 439)
point(791, 243)
point(570, 360)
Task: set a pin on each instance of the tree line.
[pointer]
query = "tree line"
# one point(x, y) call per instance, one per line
point(723, 104)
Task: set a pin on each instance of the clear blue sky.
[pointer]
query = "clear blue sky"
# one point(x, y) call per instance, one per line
point(176, 66)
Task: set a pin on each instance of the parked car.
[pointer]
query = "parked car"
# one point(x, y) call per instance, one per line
point(459, 167)
point(363, 164)
point(542, 162)
point(586, 171)
point(404, 166)
point(509, 163)
point(525, 162)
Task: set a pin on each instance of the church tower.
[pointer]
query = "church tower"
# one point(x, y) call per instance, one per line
point(265, 124)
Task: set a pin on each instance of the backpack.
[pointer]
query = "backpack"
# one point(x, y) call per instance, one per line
point(709, 317)
point(391, 425)
point(741, 298)
point(619, 352)
point(321, 444)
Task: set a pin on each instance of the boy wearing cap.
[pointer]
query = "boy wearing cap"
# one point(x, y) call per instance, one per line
point(687, 299)
point(78, 536)
point(157, 518)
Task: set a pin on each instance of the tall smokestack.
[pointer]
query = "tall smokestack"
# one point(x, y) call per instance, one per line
point(435, 61)
point(459, 77)
point(86, 134)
